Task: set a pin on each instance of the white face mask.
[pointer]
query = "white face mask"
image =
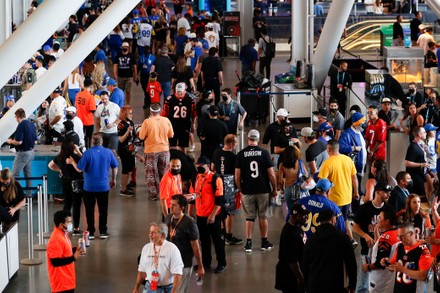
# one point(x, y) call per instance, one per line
point(315, 118)
point(70, 227)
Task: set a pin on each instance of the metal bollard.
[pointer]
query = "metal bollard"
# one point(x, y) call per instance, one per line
point(40, 246)
point(31, 261)
point(46, 232)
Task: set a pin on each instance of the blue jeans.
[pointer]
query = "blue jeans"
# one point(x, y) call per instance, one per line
point(166, 88)
point(363, 280)
point(288, 192)
point(162, 289)
point(23, 162)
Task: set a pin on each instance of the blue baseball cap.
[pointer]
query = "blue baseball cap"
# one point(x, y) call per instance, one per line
point(430, 127)
point(324, 184)
point(135, 11)
point(111, 81)
point(46, 48)
point(324, 126)
point(10, 98)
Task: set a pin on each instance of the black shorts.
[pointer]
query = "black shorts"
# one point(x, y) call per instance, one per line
point(180, 138)
point(127, 160)
point(345, 210)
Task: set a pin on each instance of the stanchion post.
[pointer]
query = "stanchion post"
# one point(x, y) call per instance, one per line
point(40, 246)
point(241, 138)
point(46, 233)
point(31, 261)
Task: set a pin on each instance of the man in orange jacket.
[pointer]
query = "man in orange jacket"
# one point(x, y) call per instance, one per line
point(61, 256)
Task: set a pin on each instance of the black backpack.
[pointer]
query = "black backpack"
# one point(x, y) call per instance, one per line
point(270, 48)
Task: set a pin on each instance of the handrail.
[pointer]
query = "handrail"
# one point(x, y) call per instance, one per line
point(351, 54)
point(357, 97)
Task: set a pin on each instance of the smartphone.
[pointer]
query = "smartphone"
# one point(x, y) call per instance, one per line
point(387, 263)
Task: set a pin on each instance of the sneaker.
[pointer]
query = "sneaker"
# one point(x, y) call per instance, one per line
point(278, 199)
point(77, 233)
point(233, 240)
point(131, 184)
point(126, 193)
point(220, 269)
point(266, 246)
point(354, 243)
point(91, 237)
point(152, 198)
point(104, 235)
point(248, 247)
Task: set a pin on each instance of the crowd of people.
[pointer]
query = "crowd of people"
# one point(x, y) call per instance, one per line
point(175, 58)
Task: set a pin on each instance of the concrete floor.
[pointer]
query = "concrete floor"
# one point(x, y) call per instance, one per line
point(111, 265)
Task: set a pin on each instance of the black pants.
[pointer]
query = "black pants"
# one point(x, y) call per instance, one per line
point(72, 199)
point(208, 232)
point(67, 291)
point(265, 64)
point(144, 82)
point(214, 85)
point(88, 133)
point(90, 199)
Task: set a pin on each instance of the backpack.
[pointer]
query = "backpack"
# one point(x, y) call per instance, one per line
point(270, 48)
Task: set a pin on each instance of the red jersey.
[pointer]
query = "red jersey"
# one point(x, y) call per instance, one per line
point(374, 133)
point(154, 89)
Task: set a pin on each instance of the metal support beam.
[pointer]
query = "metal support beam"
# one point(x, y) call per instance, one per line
point(299, 31)
point(69, 60)
point(29, 36)
point(6, 20)
point(246, 8)
point(435, 6)
point(329, 39)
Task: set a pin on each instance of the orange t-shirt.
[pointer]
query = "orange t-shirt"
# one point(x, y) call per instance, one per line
point(155, 132)
point(85, 104)
point(154, 89)
point(205, 194)
point(61, 278)
point(169, 186)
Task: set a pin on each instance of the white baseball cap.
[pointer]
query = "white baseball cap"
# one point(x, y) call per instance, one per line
point(282, 112)
point(254, 134)
point(180, 87)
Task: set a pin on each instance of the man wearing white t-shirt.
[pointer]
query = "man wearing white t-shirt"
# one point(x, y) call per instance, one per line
point(161, 264)
point(107, 120)
point(211, 37)
point(184, 22)
point(425, 38)
point(145, 35)
point(57, 115)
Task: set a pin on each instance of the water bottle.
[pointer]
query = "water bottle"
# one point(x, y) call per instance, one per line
point(82, 244)
point(199, 280)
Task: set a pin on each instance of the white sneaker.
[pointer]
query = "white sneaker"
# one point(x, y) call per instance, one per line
point(278, 199)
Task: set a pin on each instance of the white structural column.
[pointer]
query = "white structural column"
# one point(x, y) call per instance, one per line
point(299, 31)
point(246, 9)
point(329, 39)
point(435, 6)
point(69, 60)
point(29, 36)
point(5, 20)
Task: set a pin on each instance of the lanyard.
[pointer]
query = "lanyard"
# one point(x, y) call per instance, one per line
point(230, 109)
point(156, 256)
point(178, 184)
point(343, 75)
point(201, 187)
point(173, 230)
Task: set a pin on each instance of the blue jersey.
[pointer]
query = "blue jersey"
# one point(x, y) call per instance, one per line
point(315, 204)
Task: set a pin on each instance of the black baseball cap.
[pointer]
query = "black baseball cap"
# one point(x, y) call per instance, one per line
point(383, 187)
point(321, 111)
point(203, 160)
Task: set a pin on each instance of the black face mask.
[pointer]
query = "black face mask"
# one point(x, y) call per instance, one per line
point(200, 169)
point(410, 184)
point(412, 91)
point(125, 50)
point(225, 98)
point(333, 111)
point(70, 117)
point(175, 171)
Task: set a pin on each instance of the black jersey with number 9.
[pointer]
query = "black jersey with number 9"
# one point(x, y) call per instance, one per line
point(253, 162)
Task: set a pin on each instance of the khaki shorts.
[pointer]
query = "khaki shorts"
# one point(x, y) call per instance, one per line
point(125, 83)
point(255, 204)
